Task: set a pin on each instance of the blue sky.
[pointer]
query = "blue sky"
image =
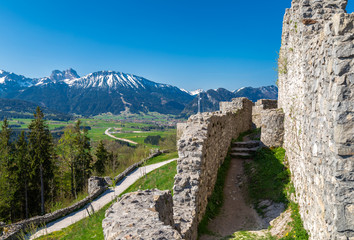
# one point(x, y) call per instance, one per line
point(190, 44)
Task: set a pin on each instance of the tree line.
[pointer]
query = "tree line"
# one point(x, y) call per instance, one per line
point(35, 172)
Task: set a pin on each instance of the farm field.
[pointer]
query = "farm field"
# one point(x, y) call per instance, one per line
point(147, 125)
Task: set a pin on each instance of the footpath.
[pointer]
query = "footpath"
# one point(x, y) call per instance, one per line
point(99, 202)
point(120, 139)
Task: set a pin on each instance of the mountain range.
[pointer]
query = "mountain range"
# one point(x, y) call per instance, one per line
point(115, 92)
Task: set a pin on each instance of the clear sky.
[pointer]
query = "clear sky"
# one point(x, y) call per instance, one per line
point(188, 43)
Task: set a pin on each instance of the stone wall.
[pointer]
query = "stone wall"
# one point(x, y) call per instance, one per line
point(316, 87)
point(141, 215)
point(260, 108)
point(202, 148)
point(272, 132)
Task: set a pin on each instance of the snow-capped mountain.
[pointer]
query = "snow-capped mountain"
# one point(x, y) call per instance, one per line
point(254, 94)
point(9, 80)
point(110, 91)
point(210, 99)
point(113, 80)
point(95, 93)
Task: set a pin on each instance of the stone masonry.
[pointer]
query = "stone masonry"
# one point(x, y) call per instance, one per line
point(316, 88)
point(260, 108)
point(272, 133)
point(141, 215)
point(202, 148)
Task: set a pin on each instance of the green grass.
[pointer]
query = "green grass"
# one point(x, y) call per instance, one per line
point(161, 158)
point(268, 177)
point(100, 124)
point(66, 202)
point(91, 227)
point(244, 235)
point(252, 133)
point(297, 227)
point(87, 228)
point(216, 200)
point(140, 137)
point(161, 178)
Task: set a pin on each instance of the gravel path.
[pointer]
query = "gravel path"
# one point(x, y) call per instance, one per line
point(99, 202)
point(121, 139)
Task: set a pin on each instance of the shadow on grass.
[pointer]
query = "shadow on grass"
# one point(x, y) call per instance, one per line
point(268, 177)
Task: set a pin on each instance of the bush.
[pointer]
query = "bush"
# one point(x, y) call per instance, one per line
point(153, 140)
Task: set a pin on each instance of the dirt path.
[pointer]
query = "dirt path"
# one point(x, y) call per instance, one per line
point(121, 139)
point(236, 214)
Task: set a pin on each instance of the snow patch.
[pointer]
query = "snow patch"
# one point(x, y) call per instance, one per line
point(195, 92)
point(240, 89)
point(184, 90)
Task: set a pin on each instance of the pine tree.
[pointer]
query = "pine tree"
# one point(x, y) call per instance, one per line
point(102, 156)
point(24, 170)
point(7, 174)
point(41, 154)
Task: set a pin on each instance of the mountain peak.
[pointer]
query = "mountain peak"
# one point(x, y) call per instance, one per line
point(196, 92)
point(58, 75)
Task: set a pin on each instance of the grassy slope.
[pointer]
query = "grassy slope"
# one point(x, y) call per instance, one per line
point(91, 228)
point(161, 158)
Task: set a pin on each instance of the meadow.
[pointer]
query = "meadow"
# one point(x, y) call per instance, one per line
point(147, 125)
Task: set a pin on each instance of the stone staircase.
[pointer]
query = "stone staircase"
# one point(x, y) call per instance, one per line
point(244, 149)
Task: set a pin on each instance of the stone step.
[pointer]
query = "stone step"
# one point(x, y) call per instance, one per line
point(241, 154)
point(247, 150)
point(248, 144)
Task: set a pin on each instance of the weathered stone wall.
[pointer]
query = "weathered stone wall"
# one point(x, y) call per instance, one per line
point(180, 129)
point(316, 87)
point(272, 133)
point(202, 148)
point(260, 108)
point(141, 215)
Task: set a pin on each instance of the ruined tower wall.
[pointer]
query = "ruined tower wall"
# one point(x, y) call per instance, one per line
point(316, 87)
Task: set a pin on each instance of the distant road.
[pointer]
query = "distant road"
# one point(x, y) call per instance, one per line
point(120, 139)
point(99, 202)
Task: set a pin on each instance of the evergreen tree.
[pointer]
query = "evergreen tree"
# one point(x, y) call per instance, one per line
point(7, 176)
point(102, 156)
point(24, 171)
point(41, 154)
